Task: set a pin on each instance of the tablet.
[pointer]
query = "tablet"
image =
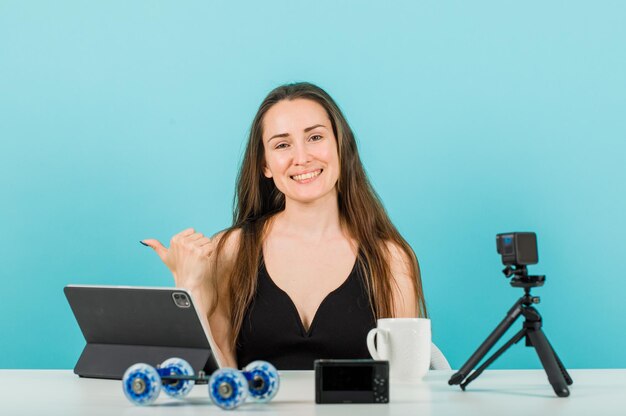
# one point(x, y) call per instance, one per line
point(124, 325)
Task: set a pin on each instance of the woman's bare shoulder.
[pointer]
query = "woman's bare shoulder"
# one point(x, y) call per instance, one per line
point(398, 255)
point(229, 241)
point(232, 240)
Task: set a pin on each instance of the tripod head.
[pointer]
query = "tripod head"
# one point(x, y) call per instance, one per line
point(521, 277)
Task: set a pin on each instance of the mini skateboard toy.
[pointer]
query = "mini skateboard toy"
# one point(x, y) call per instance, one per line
point(228, 387)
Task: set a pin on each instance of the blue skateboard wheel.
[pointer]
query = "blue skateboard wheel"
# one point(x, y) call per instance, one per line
point(141, 384)
point(228, 388)
point(263, 380)
point(176, 367)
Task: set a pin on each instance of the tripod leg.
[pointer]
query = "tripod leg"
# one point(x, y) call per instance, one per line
point(566, 375)
point(516, 338)
point(549, 361)
point(484, 348)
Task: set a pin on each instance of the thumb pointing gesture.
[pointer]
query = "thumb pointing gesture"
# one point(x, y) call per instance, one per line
point(156, 246)
point(188, 257)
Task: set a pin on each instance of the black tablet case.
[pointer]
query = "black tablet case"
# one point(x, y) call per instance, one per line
point(128, 325)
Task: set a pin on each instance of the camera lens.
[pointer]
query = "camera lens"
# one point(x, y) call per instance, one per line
point(181, 300)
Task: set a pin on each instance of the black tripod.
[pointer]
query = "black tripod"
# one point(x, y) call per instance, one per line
point(557, 374)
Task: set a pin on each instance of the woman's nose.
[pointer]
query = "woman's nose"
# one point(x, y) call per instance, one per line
point(301, 155)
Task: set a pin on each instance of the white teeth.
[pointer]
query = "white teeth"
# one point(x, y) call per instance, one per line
point(307, 175)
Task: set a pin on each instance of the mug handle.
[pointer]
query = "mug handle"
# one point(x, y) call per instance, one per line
point(370, 342)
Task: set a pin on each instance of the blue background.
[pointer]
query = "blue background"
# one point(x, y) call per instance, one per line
point(122, 120)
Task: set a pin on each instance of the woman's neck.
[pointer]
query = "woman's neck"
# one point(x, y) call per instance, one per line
point(315, 221)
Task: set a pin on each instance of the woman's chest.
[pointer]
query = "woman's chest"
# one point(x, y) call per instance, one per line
point(308, 274)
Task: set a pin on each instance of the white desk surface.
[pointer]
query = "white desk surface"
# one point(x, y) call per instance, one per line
point(495, 392)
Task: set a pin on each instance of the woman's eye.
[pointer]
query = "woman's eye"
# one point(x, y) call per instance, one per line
point(281, 146)
point(316, 137)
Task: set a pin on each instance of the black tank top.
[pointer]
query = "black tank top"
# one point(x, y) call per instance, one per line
point(272, 329)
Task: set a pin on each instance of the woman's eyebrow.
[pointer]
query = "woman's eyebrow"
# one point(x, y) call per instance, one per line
point(276, 136)
point(308, 129)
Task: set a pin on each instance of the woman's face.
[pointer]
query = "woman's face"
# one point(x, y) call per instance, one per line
point(300, 150)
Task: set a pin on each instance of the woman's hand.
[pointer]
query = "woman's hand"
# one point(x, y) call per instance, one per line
point(189, 257)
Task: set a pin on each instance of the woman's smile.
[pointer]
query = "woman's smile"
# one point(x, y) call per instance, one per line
point(307, 177)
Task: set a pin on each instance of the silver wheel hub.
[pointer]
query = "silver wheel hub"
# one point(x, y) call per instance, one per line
point(139, 386)
point(225, 390)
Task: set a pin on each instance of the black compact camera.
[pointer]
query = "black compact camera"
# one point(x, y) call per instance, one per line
point(519, 249)
point(351, 381)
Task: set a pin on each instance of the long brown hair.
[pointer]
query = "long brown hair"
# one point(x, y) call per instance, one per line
point(360, 210)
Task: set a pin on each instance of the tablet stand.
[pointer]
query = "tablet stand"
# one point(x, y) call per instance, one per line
point(111, 360)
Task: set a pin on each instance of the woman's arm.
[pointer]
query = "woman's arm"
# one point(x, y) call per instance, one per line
point(191, 259)
point(203, 301)
point(403, 287)
point(219, 319)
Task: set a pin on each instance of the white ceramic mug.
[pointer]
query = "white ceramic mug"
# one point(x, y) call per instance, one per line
point(405, 343)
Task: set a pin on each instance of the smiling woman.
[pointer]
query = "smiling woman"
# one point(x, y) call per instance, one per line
point(312, 259)
point(305, 154)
